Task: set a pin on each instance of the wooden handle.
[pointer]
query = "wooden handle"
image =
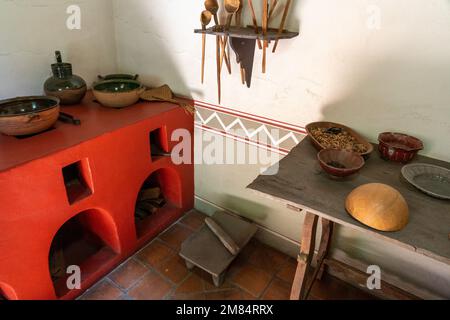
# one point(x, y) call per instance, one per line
point(273, 5)
point(242, 75)
point(238, 17)
point(203, 56)
point(218, 66)
point(224, 45)
point(227, 58)
point(283, 21)
point(224, 55)
point(216, 20)
point(264, 26)
point(226, 240)
point(255, 22)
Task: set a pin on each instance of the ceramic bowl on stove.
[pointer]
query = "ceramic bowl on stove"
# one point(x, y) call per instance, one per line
point(118, 76)
point(340, 163)
point(118, 93)
point(28, 115)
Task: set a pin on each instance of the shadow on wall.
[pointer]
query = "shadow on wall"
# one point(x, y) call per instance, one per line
point(246, 208)
point(143, 45)
point(402, 96)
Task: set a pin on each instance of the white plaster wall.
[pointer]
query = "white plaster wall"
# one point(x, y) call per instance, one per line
point(30, 32)
point(396, 77)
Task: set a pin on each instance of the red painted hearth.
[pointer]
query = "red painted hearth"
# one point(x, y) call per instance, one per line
point(77, 186)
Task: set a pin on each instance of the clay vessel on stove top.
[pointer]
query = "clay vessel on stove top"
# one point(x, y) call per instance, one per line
point(66, 86)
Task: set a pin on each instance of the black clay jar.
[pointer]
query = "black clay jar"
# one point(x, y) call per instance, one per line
point(69, 88)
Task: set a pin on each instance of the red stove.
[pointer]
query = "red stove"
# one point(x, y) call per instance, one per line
point(68, 195)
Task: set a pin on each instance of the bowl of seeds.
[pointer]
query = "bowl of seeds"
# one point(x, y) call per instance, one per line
point(329, 135)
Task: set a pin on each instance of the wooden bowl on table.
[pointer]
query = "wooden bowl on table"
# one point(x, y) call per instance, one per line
point(378, 206)
point(330, 135)
point(398, 147)
point(28, 115)
point(340, 163)
point(118, 93)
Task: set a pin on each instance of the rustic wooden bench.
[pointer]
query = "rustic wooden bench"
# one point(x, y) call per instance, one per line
point(206, 250)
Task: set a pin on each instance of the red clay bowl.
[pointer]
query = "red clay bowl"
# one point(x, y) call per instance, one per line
point(340, 163)
point(398, 147)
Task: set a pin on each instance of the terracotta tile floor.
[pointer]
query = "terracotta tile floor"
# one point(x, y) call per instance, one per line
point(157, 272)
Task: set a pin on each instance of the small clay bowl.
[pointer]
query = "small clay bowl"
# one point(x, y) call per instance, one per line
point(118, 93)
point(340, 163)
point(28, 115)
point(398, 147)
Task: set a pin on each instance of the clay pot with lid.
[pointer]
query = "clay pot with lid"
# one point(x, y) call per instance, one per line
point(67, 87)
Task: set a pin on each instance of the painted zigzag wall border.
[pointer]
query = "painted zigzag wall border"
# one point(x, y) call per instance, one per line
point(225, 121)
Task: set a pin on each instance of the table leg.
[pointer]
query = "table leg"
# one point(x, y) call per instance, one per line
point(218, 280)
point(325, 243)
point(189, 265)
point(305, 256)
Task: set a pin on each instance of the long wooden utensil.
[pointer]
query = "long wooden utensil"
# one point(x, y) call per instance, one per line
point(238, 15)
point(273, 5)
point(218, 66)
point(238, 18)
point(255, 22)
point(205, 19)
point(264, 27)
point(231, 6)
point(213, 7)
point(283, 22)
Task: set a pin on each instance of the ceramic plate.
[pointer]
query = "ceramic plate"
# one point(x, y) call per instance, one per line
point(433, 180)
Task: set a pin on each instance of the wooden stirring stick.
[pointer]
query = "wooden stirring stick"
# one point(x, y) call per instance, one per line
point(218, 66)
point(231, 6)
point(255, 22)
point(238, 15)
point(213, 7)
point(273, 5)
point(264, 27)
point(283, 22)
point(205, 19)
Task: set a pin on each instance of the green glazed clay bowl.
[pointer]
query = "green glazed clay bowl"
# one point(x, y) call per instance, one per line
point(117, 93)
point(28, 115)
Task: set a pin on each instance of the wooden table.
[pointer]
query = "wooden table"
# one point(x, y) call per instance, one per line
point(302, 185)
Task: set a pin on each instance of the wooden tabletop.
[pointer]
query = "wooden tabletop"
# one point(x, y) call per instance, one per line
point(301, 183)
point(95, 121)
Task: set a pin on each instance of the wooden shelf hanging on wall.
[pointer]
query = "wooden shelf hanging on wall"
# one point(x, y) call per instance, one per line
point(243, 42)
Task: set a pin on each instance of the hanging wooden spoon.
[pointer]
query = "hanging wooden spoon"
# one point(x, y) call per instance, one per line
point(273, 5)
point(231, 7)
point(255, 22)
point(238, 15)
point(213, 7)
point(205, 19)
point(238, 20)
point(264, 27)
point(283, 22)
